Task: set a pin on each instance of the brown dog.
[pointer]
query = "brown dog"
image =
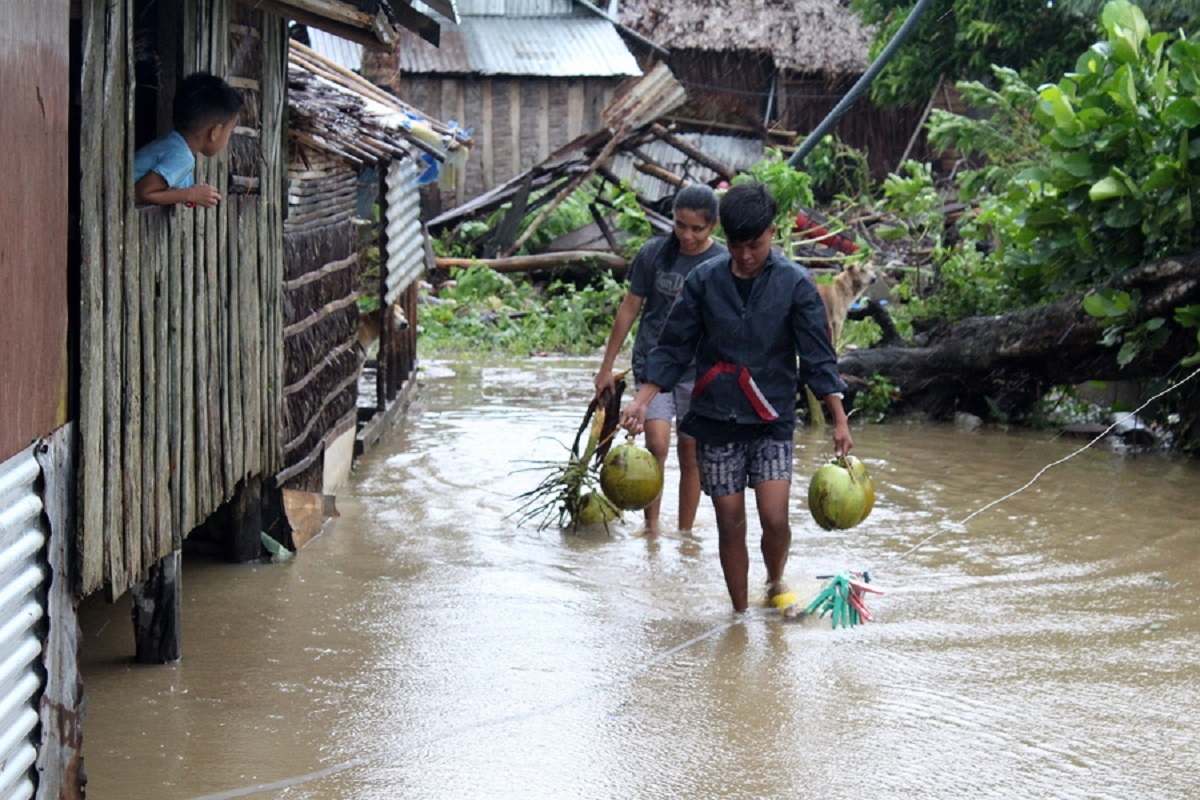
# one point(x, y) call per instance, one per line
point(838, 296)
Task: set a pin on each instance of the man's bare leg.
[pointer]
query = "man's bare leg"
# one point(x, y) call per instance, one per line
point(731, 543)
point(772, 500)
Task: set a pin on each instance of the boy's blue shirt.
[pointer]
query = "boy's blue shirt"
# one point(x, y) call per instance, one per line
point(170, 157)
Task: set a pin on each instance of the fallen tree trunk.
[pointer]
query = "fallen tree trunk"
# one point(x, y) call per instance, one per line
point(1002, 365)
point(538, 261)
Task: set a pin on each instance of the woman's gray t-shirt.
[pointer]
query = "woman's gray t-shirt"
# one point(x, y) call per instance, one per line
point(658, 284)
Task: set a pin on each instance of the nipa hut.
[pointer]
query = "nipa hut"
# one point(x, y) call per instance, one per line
point(770, 69)
point(349, 286)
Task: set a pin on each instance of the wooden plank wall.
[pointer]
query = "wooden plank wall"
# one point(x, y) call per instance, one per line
point(180, 322)
point(34, 100)
point(516, 122)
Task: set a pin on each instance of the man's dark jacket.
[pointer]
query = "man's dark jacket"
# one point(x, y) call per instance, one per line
point(783, 320)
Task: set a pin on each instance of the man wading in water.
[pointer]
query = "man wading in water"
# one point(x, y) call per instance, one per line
point(745, 317)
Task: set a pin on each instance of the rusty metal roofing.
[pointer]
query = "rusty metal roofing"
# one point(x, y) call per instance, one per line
point(521, 46)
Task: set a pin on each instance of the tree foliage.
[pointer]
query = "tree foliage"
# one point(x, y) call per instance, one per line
point(1096, 173)
point(962, 39)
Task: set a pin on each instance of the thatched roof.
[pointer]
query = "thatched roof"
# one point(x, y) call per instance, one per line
point(811, 36)
point(344, 115)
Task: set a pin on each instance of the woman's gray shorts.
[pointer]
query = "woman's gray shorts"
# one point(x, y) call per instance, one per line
point(671, 406)
point(730, 468)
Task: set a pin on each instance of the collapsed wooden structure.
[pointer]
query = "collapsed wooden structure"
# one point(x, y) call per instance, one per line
point(527, 76)
point(629, 121)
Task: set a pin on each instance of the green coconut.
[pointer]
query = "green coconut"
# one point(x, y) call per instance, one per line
point(595, 508)
point(840, 494)
point(859, 471)
point(630, 477)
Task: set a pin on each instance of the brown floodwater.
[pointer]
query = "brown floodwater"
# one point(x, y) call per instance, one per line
point(424, 645)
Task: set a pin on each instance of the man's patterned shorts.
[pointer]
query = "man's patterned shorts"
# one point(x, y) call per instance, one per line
point(730, 468)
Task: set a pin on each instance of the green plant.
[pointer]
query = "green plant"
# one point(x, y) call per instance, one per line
point(631, 218)
point(1120, 310)
point(837, 169)
point(961, 39)
point(877, 399)
point(1189, 317)
point(490, 312)
point(791, 188)
point(1123, 174)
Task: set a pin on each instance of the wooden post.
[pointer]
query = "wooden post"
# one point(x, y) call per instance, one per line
point(157, 613)
point(244, 534)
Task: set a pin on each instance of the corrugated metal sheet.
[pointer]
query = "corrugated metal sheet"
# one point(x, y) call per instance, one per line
point(515, 8)
point(340, 51)
point(23, 536)
point(547, 47)
point(405, 248)
point(734, 151)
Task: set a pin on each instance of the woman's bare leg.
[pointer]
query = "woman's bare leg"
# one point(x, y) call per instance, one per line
point(658, 442)
point(689, 482)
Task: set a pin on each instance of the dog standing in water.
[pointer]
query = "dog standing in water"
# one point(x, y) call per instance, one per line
point(849, 285)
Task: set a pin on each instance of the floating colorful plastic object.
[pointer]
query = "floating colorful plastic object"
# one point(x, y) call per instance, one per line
point(843, 598)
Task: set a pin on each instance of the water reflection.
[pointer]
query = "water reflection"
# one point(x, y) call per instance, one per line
point(426, 646)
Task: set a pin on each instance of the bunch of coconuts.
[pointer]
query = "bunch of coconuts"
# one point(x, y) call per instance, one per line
point(630, 480)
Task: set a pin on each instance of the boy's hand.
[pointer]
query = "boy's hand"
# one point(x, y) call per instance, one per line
point(201, 194)
point(842, 442)
point(633, 416)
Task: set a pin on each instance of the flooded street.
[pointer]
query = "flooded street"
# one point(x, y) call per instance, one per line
point(426, 646)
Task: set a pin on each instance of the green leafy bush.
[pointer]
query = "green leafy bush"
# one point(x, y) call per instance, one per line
point(1123, 175)
point(487, 311)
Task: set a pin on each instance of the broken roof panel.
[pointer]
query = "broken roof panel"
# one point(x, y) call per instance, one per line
point(369, 22)
point(739, 153)
point(335, 111)
point(521, 46)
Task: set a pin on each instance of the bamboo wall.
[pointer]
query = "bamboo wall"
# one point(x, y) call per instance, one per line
point(515, 122)
point(883, 133)
point(320, 312)
point(180, 364)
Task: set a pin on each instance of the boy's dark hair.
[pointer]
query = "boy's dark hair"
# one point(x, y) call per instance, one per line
point(747, 210)
point(202, 100)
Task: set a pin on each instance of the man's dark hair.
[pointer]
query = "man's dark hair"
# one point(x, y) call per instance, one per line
point(202, 100)
point(747, 210)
